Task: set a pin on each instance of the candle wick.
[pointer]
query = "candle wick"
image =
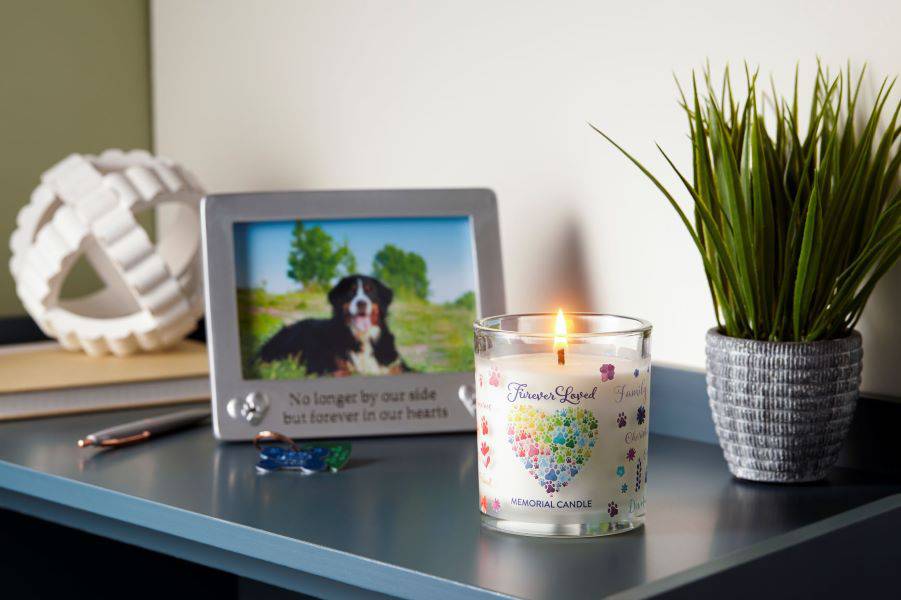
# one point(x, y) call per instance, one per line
point(561, 356)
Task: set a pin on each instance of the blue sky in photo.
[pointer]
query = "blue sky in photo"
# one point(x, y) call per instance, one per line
point(261, 250)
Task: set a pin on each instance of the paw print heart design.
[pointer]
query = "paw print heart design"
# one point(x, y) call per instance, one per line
point(494, 377)
point(552, 447)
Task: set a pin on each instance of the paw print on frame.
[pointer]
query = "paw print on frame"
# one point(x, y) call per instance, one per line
point(612, 509)
point(621, 420)
point(494, 377)
point(484, 426)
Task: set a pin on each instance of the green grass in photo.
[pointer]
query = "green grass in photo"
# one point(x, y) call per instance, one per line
point(431, 338)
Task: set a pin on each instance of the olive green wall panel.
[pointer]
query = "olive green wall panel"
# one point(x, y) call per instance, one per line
point(75, 78)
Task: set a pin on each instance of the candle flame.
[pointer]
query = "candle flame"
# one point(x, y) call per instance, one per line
point(560, 337)
point(560, 330)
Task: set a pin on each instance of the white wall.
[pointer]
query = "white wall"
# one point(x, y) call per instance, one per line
point(339, 94)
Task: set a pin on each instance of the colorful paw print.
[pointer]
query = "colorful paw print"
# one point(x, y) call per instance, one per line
point(494, 377)
point(612, 509)
point(621, 420)
point(607, 372)
point(552, 447)
point(641, 415)
point(630, 455)
point(496, 505)
point(484, 448)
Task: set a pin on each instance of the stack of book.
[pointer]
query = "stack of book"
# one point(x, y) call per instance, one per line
point(43, 379)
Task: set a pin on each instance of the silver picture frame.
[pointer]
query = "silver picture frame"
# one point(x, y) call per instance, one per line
point(242, 408)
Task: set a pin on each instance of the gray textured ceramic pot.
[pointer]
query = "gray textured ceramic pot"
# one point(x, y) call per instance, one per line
point(782, 409)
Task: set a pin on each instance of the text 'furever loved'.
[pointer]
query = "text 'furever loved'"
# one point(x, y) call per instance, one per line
point(562, 393)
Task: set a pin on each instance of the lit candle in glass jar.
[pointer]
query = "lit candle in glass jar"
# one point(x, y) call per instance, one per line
point(562, 418)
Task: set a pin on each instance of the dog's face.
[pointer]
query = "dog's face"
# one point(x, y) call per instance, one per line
point(361, 302)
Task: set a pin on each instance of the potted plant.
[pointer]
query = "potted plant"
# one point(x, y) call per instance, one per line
point(795, 225)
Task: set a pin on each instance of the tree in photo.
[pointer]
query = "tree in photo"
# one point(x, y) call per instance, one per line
point(466, 300)
point(405, 272)
point(316, 259)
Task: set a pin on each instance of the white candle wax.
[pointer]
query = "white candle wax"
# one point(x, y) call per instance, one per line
point(562, 443)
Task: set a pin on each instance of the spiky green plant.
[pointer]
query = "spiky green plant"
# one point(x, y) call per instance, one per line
point(795, 227)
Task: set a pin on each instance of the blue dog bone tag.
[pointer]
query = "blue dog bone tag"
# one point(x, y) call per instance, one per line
point(307, 459)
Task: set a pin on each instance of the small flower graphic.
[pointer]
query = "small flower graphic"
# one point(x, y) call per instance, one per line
point(621, 420)
point(624, 488)
point(607, 372)
point(483, 504)
point(612, 509)
point(494, 377)
point(496, 505)
point(641, 415)
point(484, 426)
point(620, 471)
point(631, 454)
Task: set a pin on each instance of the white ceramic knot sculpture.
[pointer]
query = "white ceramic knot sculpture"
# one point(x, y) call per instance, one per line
point(86, 205)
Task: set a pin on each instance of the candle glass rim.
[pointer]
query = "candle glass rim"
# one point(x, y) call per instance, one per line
point(644, 326)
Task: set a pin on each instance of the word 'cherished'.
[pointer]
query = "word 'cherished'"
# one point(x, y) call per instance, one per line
point(562, 393)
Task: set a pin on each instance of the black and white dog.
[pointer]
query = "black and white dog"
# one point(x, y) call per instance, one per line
point(356, 340)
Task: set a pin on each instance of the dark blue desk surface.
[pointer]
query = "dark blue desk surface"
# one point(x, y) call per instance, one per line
point(402, 519)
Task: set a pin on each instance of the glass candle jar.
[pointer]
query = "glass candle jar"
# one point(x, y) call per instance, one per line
point(562, 420)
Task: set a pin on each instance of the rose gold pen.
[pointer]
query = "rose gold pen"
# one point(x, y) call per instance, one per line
point(138, 431)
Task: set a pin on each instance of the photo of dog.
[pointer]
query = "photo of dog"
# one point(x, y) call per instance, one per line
point(355, 340)
point(355, 297)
